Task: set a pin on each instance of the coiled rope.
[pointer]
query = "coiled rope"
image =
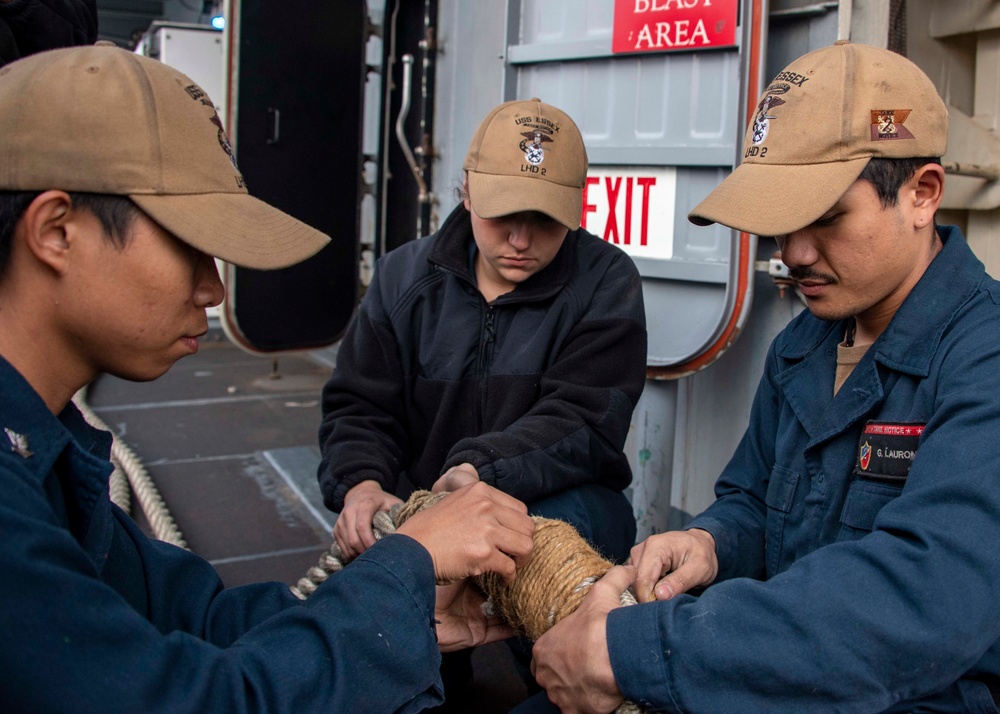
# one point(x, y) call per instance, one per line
point(129, 472)
point(552, 584)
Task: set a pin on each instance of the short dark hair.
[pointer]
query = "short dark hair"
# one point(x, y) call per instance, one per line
point(116, 214)
point(889, 175)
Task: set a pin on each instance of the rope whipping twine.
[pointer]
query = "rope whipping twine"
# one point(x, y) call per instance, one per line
point(553, 583)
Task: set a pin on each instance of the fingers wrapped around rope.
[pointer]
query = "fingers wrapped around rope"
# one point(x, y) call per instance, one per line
point(550, 586)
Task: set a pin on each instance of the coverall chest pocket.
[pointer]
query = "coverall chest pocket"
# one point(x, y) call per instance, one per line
point(864, 501)
point(779, 499)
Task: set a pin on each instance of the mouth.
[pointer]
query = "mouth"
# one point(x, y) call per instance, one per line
point(191, 341)
point(812, 288)
point(517, 261)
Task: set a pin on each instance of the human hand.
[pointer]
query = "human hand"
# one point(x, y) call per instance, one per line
point(571, 661)
point(474, 530)
point(686, 558)
point(353, 529)
point(456, 477)
point(461, 623)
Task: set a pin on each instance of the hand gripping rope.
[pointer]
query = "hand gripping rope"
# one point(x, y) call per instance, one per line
point(549, 587)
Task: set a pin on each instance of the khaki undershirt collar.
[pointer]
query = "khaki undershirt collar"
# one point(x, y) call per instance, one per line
point(848, 356)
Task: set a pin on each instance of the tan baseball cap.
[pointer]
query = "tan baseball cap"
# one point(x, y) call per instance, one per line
point(527, 156)
point(101, 119)
point(816, 127)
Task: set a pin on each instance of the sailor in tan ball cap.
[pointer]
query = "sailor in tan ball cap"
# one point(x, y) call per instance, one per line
point(118, 188)
point(849, 562)
point(509, 347)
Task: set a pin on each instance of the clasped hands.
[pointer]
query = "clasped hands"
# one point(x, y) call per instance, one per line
point(479, 529)
point(572, 662)
point(475, 530)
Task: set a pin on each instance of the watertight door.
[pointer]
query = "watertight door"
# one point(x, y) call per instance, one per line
point(661, 91)
point(296, 74)
point(660, 106)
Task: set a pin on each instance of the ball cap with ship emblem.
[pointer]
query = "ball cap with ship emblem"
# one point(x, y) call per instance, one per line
point(101, 119)
point(527, 156)
point(815, 129)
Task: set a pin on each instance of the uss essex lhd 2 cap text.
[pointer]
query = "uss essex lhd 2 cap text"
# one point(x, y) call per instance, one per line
point(527, 156)
point(816, 127)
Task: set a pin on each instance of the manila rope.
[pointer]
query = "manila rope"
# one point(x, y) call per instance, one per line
point(549, 587)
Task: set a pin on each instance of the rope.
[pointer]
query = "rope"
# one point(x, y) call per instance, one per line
point(553, 583)
point(121, 496)
point(128, 464)
point(549, 587)
point(333, 560)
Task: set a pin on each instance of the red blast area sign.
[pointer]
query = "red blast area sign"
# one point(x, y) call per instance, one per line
point(665, 25)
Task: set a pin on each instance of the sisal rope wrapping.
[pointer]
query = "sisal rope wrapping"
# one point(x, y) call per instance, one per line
point(550, 586)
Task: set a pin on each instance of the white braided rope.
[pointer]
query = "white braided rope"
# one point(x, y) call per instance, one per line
point(121, 496)
point(146, 493)
point(333, 561)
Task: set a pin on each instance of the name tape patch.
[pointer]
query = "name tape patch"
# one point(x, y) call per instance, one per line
point(886, 450)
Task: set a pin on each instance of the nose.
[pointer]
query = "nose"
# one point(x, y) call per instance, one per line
point(519, 233)
point(797, 249)
point(209, 291)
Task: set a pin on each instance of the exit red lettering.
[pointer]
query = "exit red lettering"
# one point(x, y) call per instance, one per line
point(613, 190)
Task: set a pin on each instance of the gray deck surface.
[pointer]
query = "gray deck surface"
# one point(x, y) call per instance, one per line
point(231, 444)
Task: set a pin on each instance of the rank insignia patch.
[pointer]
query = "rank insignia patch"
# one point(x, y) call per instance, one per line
point(888, 124)
point(18, 443)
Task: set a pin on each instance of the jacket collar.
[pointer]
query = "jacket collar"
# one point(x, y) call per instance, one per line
point(912, 337)
point(450, 252)
point(35, 436)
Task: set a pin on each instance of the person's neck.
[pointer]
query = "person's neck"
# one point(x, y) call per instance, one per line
point(38, 359)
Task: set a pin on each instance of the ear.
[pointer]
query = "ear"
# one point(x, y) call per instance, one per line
point(927, 186)
point(44, 227)
point(465, 191)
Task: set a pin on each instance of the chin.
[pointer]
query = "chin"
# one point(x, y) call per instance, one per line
point(830, 314)
point(145, 374)
point(515, 277)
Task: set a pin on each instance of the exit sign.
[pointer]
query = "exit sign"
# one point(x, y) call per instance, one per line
point(632, 207)
point(671, 25)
